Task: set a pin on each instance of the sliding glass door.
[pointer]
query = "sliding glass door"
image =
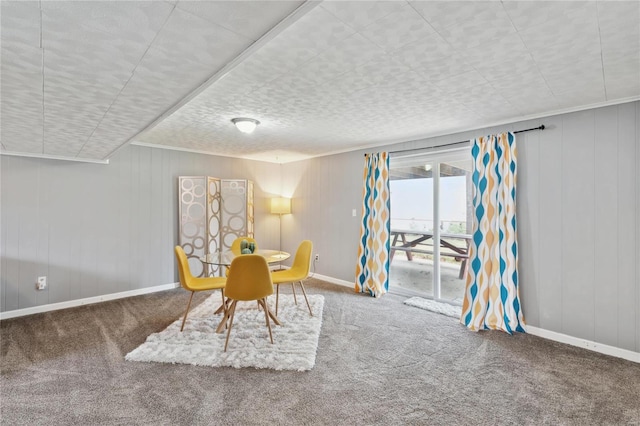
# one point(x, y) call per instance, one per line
point(430, 224)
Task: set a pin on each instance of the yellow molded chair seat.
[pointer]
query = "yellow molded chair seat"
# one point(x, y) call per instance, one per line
point(249, 279)
point(299, 271)
point(193, 284)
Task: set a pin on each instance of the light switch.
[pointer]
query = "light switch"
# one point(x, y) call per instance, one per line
point(353, 212)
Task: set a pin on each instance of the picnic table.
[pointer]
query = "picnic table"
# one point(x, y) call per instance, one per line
point(413, 241)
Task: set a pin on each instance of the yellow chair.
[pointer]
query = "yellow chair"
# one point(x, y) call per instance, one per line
point(298, 272)
point(249, 279)
point(193, 284)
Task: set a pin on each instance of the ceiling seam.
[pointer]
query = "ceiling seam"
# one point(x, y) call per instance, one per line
point(528, 51)
point(133, 72)
point(188, 12)
point(423, 18)
point(318, 53)
point(604, 80)
point(285, 23)
point(451, 47)
point(357, 31)
point(43, 74)
point(457, 53)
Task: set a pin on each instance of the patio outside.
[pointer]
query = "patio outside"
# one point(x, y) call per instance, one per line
point(415, 277)
point(412, 210)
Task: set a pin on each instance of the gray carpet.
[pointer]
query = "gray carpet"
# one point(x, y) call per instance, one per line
point(378, 362)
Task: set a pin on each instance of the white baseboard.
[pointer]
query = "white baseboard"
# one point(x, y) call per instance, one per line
point(96, 299)
point(535, 331)
point(85, 301)
point(332, 280)
point(583, 343)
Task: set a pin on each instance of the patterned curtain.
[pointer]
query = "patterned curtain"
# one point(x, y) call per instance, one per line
point(491, 299)
point(372, 270)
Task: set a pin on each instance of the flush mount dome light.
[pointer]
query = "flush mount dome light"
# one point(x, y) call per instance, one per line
point(245, 125)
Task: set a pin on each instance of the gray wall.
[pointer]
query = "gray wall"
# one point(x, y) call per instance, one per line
point(101, 229)
point(578, 219)
point(325, 190)
point(96, 229)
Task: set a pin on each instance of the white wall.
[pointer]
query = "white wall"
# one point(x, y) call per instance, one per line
point(578, 219)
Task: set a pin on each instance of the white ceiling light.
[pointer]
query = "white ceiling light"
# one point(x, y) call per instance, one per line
point(245, 125)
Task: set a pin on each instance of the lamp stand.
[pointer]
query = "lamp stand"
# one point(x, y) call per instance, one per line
point(280, 232)
point(280, 206)
point(280, 238)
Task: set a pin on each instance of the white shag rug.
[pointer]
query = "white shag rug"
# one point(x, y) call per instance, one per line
point(294, 347)
point(432, 305)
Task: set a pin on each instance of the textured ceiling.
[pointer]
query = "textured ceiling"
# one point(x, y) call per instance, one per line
point(79, 79)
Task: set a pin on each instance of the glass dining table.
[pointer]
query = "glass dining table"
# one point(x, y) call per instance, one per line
point(225, 258)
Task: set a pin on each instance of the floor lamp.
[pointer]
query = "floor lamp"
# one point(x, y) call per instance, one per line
point(280, 206)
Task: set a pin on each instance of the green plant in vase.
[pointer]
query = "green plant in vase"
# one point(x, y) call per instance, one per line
point(247, 247)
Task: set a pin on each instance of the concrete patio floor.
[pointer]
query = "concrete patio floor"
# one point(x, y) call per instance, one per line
point(415, 277)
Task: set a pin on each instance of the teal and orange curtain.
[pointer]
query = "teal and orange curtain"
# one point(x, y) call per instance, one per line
point(491, 299)
point(372, 270)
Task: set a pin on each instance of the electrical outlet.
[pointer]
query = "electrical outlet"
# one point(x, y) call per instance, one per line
point(317, 258)
point(42, 283)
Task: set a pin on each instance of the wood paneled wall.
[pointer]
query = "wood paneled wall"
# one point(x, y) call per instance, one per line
point(579, 216)
point(101, 229)
point(96, 229)
point(578, 219)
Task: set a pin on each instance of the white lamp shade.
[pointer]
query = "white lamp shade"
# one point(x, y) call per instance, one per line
point(281, 205)
point(245, 125)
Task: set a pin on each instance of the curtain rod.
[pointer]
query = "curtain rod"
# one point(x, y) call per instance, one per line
point(540, 127)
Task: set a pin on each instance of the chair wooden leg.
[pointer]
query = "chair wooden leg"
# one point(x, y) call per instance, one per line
point(274, 318)
point(266, 316)
point(226, 306)
point(305, 298)
point(232, 308)
point(277, 296)
point(187, 311)
point(262, 306)
point(293, 287)
point(223, 307)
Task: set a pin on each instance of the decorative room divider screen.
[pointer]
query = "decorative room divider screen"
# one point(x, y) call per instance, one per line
point(213, 212)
